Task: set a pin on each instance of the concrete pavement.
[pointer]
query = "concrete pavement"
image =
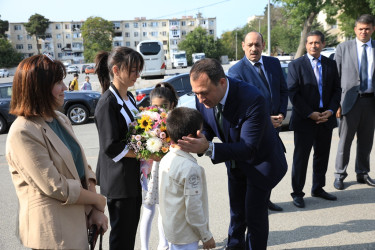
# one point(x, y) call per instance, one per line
point(348, 223)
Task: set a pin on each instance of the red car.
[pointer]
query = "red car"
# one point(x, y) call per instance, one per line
point(90, 69)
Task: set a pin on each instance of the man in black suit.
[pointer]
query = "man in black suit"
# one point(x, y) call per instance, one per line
point(265, 73)
point(236, 112)
point(314, 91)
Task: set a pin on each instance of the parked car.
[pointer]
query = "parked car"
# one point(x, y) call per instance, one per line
point(90, 69)
point(181, 84)
point(328, 52)
point(188, 100)
point(80, 105)
point(6, 119)
point(4, 73)
point(72, 70)
point(84, 66)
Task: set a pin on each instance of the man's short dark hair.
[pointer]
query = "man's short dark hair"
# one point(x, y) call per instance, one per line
point(211, 67)
point(183, 121)
point(366, 19)
point(75, 75)
point(315, 33)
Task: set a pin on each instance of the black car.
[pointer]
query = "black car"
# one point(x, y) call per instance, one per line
point(80, 105)
point(180, 82)
point(6, 119)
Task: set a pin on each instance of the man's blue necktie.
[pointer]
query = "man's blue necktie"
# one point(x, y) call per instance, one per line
point(363, 71)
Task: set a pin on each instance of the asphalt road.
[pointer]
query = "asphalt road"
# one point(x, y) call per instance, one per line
point(348, 223)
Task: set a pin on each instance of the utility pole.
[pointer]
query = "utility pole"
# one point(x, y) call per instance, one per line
point(269, 28)
point(236, 44)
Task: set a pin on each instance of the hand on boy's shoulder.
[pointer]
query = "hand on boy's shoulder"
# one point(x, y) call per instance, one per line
point(209, 244)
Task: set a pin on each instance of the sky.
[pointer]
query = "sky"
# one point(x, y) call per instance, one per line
point(230, 14)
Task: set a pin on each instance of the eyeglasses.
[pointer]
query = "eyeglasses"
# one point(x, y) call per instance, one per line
point(49, 57)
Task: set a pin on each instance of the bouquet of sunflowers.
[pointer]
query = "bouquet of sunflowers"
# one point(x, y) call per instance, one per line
point(148, 135)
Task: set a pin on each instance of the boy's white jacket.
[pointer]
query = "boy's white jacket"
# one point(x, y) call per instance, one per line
point(183, 198)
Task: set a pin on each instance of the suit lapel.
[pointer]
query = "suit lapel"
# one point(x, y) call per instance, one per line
point(268, 71)
point(354, 55)
point(373, 63)
point(59, 146)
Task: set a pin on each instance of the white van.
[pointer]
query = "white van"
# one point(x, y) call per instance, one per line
point(198, 56)
point(153, 55)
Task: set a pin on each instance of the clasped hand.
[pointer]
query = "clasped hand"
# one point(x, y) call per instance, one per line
point(320, 117)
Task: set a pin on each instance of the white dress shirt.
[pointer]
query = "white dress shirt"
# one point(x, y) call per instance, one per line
point(370, 62)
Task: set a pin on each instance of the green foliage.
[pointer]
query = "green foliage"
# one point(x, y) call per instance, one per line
point(37, 27)
point(97, 35)
point(4, 26)
point(9, 56)
point(199, 41)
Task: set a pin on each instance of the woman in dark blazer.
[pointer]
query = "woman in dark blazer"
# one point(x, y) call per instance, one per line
point(118, 171)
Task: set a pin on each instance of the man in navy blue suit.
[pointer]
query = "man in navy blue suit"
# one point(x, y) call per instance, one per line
point(265, 73)
point(236, 113)
point(314, 91)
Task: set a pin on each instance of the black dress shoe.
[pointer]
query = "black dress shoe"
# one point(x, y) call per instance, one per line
point(273, 207)
point(299, 202)
point(325, 196)
point(338, 184)
point(365, 179)
point(234, 248)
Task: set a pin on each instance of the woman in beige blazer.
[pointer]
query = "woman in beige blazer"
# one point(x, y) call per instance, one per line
point(54, 184)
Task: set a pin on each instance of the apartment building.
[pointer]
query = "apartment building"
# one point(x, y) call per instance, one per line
point(64, 40)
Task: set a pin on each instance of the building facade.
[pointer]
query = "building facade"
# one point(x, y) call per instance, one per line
point(63, 40)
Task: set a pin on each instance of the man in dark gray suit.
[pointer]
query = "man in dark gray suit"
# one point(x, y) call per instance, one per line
point(355, 62)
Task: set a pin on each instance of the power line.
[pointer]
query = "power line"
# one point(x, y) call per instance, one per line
point(176, 13)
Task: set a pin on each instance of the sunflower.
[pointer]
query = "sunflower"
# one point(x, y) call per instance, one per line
point(145, 122)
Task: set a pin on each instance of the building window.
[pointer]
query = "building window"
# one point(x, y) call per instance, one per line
point(58, 26)
point(202, 22)
point(163, 33)
point(118, 34)
point(135, 25)
point(49, 35)
point(211, 22)
point(19, 46)
point(29, 46)
point(183, 32)
point(127, 44)
point(154, 24)
point(46, 46)
point(117, 43)
point(127, 34)
point(76, 35)
point(58, 36)
point(59, 45)
point(136, 43)
point(17, 27)
point(67, 36)
point(191, 23)
point(136, 34)
point(144, 24)
point(127, 25)
point(77, 45)
point(164, 24)
point(165, 42)
point(154, 33)
point(67, 26)
point(174, 42)
point(183, 23)
point(173, 23)
point(116, 25)
point(19, 37)
point(174, 32)
point(28, 37)
point(59, 55)
point(144, 33)
point(211, 32)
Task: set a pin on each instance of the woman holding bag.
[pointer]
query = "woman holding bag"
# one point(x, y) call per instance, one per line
point(53, 181)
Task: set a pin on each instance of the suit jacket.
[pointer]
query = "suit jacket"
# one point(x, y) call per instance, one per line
point(118, 176)
point(348, 68)
point(245, 71)
point(249, 137)
point(47, 185)
point(304, 92)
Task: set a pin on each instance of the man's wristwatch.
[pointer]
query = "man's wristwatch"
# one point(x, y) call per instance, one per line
point(209, 150)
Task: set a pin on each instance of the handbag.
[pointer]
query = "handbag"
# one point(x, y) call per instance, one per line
point(93, 234)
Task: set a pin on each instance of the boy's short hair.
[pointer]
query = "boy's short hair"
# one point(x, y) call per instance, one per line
point(75, 75)
point(183, 122)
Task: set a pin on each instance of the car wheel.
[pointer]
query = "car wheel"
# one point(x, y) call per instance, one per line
point(78, 114)
point(3, 125)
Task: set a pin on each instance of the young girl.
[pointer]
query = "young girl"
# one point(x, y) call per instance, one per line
point(164, 96)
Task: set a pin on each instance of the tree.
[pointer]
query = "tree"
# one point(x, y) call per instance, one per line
point(37, 27)
point(97, 35)
point(199, 41)
point(4, 26)
point(9, 56)
point(302, 13)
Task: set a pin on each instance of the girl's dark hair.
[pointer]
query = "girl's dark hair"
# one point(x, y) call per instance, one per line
point(165, 90)
point(122, 57)
point(33, 82)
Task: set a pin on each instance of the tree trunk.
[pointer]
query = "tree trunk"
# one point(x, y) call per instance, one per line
point(306, 29)
point(37, 44)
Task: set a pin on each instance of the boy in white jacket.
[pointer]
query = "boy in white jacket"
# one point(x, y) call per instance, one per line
point(183, 196)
